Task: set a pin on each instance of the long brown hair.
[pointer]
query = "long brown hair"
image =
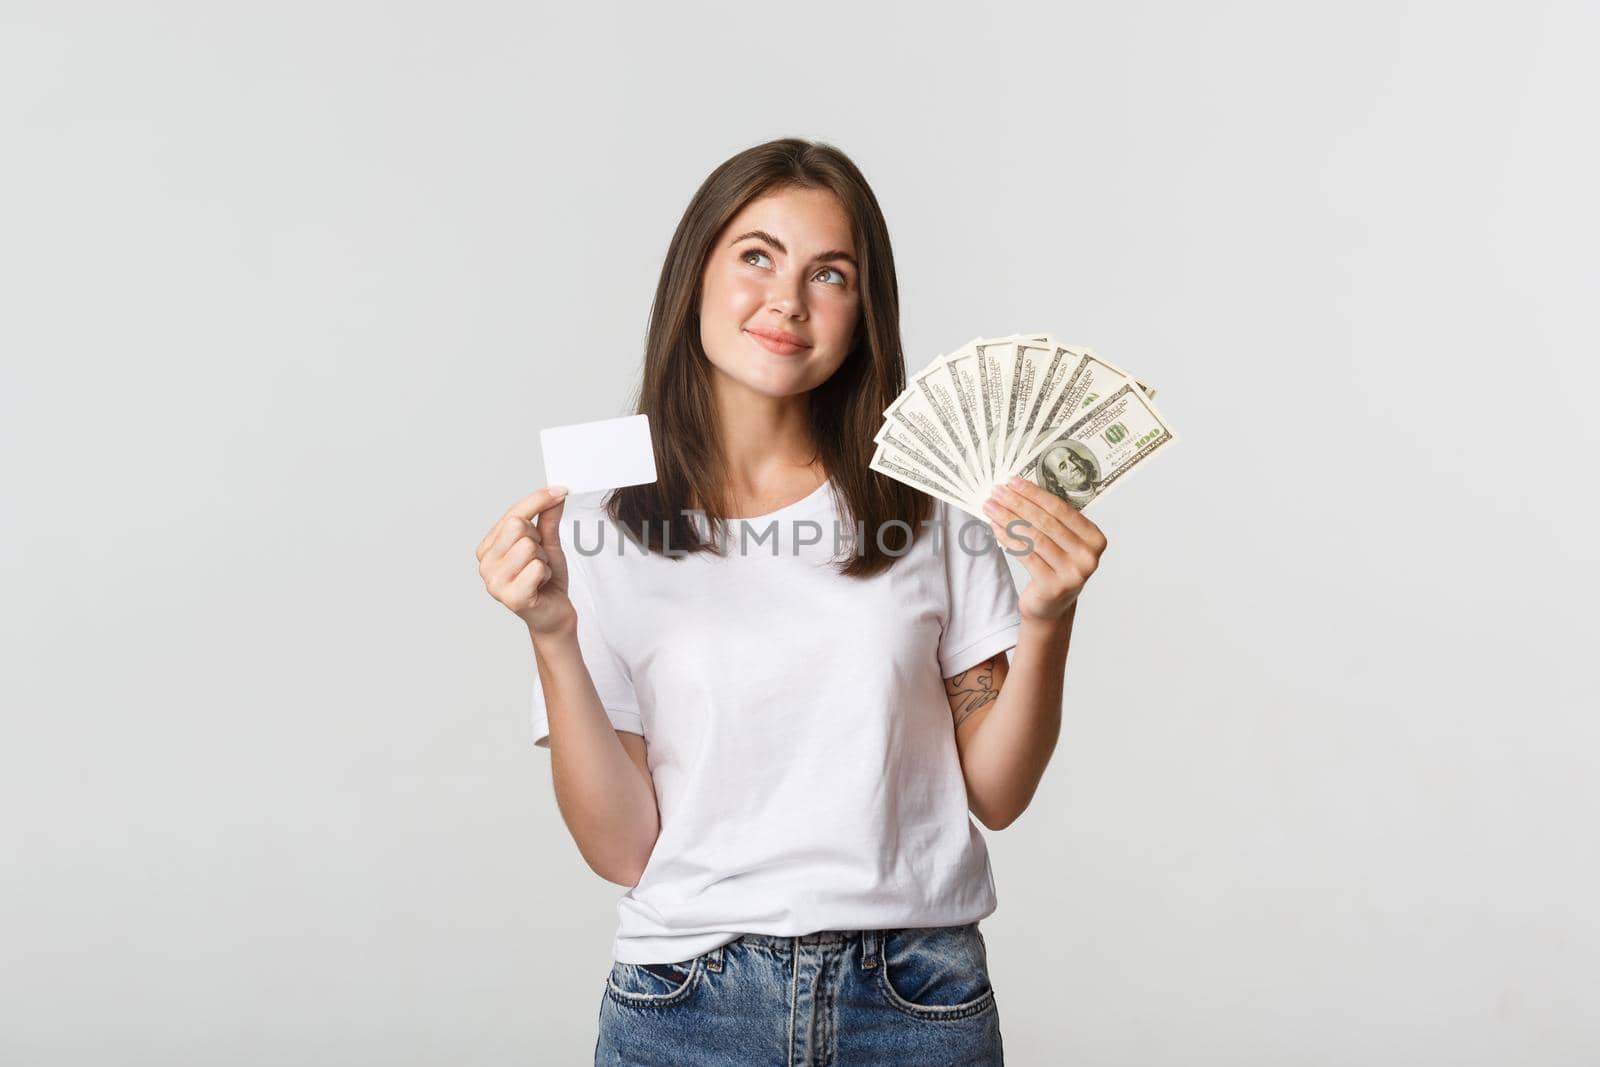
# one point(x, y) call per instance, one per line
point(845, 411)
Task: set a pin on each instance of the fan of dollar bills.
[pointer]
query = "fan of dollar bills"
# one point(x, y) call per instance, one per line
point(1058, 415)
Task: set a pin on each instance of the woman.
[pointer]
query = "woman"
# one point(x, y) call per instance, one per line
point(771, 706)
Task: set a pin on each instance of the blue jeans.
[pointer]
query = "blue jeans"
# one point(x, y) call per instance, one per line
point(916, 995)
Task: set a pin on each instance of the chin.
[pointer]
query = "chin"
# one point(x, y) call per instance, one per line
point(775, 384)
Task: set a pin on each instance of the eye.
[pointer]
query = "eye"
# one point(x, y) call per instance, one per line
point(747, 253)
point(842, 279)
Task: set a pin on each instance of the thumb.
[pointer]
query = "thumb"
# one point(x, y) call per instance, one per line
point(549, 527)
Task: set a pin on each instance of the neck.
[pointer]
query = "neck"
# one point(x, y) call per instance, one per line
point(768, 451)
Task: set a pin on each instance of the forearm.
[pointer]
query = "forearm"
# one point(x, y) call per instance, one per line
point(1006, 756)
point(608, 806)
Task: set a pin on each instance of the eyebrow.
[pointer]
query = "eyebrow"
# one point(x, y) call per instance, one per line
point(775, 243)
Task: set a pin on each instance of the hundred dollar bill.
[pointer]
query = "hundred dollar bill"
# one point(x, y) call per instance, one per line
point(967, 387)
point(911, 419)
point(916, 434)
point(1042, 365)
point(892, 439)
point(931, 404)
point(1087, 457)
point(1019, 374)
point(994, 363)
point(998, 358)
point(971, 418)
point(890, 462)
point(995, 357)
point(1082, 379)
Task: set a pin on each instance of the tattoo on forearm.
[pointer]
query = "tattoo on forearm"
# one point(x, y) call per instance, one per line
point(972, 689)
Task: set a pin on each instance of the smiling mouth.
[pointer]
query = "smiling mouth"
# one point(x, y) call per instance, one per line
point(776, 346)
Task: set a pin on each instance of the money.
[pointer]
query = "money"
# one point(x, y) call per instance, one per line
point(895, 464)
point(1062, 416)
point(931, 401)
point(1083, 461)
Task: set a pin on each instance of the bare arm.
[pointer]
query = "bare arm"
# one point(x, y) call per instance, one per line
point(1008, 719)
point(602, 780)
point(1007, 732)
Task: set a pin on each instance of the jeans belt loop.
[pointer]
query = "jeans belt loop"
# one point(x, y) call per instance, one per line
point(870, 942)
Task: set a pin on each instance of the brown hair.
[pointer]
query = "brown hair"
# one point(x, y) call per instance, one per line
point(846, 410)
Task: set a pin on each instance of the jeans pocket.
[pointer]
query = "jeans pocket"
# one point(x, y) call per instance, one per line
point(653, 984)
point(939, 972)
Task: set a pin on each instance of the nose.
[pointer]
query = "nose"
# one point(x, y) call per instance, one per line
point(788, 295)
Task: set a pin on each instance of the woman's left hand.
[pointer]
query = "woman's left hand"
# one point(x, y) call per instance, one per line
point(1066, 545)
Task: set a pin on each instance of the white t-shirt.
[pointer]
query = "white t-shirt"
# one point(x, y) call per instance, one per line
point(799, 734)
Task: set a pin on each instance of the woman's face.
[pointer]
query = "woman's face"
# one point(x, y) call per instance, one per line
point(784, 266)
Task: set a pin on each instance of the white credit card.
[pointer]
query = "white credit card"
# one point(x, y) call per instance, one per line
point(599, 455)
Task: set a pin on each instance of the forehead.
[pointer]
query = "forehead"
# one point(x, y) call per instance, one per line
point(803, 219)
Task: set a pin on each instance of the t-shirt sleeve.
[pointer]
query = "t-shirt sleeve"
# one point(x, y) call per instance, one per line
point(610, 675)
point(982, 617)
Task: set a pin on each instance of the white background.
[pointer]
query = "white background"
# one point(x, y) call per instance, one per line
point(289, 290)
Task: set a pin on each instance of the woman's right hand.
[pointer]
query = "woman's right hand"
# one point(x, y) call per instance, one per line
point(522, 565)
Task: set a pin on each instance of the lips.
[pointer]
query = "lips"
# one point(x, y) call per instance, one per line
point(778, 342)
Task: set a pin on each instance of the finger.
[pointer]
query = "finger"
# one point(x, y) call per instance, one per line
point(503, 535)
point(1040, 513)
point(515, 558)
point(525, 509)
point(535, 574)
point(1044, 547)
point(1044, 510)
point(1035, 564)
point(538, 501)
point(528, 581)
point(549, 528)
point(496, 536)
point(512, 529)
point(1043, 544)
point(1070, 517)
